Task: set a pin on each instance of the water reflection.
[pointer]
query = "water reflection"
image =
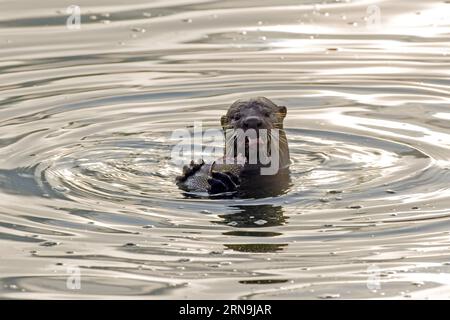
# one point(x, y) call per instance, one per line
point(86, 118)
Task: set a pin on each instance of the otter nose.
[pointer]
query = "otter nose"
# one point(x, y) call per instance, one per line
point(252, 122)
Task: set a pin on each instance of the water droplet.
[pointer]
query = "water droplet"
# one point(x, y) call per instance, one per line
point(137, 29)
point(49, 244)
point(214, 265)
point(129, 244)
point(334, 191)
point(60, 189)
point(329, 296)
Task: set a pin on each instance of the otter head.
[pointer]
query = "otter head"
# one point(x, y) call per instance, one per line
point(256, 114)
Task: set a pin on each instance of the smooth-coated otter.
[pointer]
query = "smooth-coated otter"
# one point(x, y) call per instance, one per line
point(260, 117)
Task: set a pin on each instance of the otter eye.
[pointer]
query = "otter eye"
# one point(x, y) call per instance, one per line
point(237, 116)
point(266, 113)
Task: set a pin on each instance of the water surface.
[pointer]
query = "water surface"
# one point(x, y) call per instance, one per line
point(86, 178)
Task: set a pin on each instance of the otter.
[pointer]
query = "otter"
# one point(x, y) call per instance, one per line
point(256, 115)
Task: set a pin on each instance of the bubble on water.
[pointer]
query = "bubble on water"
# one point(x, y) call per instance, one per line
point(187, 20)
point(206, 211)
point(418, 283)
point(93, 17)
point(355, 207)
point(146, 14)
point(243, 32)
point(105, 21)
point(390, 191)
point(232, 223)
point(260, 23)
point(260, 222)
point(415, 208)
point(263, 38)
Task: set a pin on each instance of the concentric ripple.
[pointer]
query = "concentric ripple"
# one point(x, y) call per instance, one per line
point(87, 179)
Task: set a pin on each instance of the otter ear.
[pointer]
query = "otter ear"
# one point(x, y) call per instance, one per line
point(282, 110)
point(224, 121)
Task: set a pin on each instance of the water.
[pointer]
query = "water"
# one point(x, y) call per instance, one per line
point(86, 179)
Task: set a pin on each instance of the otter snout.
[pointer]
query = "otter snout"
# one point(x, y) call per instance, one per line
point(252, 122)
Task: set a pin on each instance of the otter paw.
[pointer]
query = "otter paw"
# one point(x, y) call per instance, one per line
point(222, 182)
point(190, 170)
